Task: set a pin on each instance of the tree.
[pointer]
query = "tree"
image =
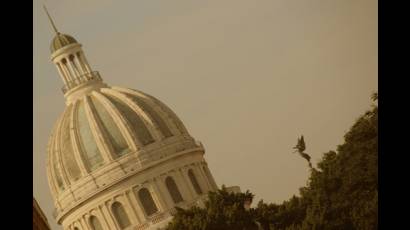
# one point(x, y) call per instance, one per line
point(223, 210)
point(341, 193)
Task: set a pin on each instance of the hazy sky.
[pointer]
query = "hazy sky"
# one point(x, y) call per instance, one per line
point(245, 77)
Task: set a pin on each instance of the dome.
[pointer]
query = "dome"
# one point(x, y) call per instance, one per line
point(61, 40)
point(116, 121)
point(107, 128)
point(106, 125)
point(118, 158)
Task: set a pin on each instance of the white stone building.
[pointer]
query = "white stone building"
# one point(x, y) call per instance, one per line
point(118, 158)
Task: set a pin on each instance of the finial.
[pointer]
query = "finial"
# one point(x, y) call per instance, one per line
point(51, 20)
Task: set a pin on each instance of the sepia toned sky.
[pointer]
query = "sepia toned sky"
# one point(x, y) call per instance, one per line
point(246, 77)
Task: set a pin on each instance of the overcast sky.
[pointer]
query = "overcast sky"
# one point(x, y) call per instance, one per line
point(246, 77)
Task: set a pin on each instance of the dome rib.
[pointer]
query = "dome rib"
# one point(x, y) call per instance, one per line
point(88, 146)
point(138, 126)
point(124, 127)
point(59, 151)
point(56, 163)
point(147, 118)
point(110, 131)
point(60, 41)
point(50, 170)
point(75, 141)
point(96, 131)
point(69, 162)
point(160, 124)
point(169, 112)
point(173, 122)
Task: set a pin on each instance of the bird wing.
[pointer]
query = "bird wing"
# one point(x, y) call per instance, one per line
point(302, 145)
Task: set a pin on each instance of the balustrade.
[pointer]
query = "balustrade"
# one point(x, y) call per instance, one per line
point(80, 80)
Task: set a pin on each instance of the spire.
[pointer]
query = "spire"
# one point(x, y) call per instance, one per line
point(51, 20)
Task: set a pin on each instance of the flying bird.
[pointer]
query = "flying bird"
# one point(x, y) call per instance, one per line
point(300, 148)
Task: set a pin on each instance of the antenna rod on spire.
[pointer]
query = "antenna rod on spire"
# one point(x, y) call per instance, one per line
point(51, 20)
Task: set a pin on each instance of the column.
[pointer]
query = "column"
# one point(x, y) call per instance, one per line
point(135, 201)
point(158, 195)
point(209, 175)
point(166, 197)
point(74, 73)
point(103, 217)
point(66, 69)
point(132, 208)
point(77, 63)
point(67, 73)
point(84, 223)
point(73, 66)
point(199, 171)
point(81, 63)
point(187, 183)
point(63, 77)
point(85, 63)
point(182, 187)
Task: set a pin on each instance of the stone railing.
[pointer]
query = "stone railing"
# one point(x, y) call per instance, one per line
point(142, 226)
point(95, 75)
point(154, 220)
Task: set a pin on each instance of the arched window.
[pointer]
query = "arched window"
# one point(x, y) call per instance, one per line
point(120, 215)
point(147, 202)
point(194, 182)
point(173, 190)
point(95, 223)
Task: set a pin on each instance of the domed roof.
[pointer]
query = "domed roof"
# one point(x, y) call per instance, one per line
point(108, 125)
point(61, 40)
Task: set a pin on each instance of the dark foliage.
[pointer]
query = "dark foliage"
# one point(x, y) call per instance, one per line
point(342, 193)
point(223, 210)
